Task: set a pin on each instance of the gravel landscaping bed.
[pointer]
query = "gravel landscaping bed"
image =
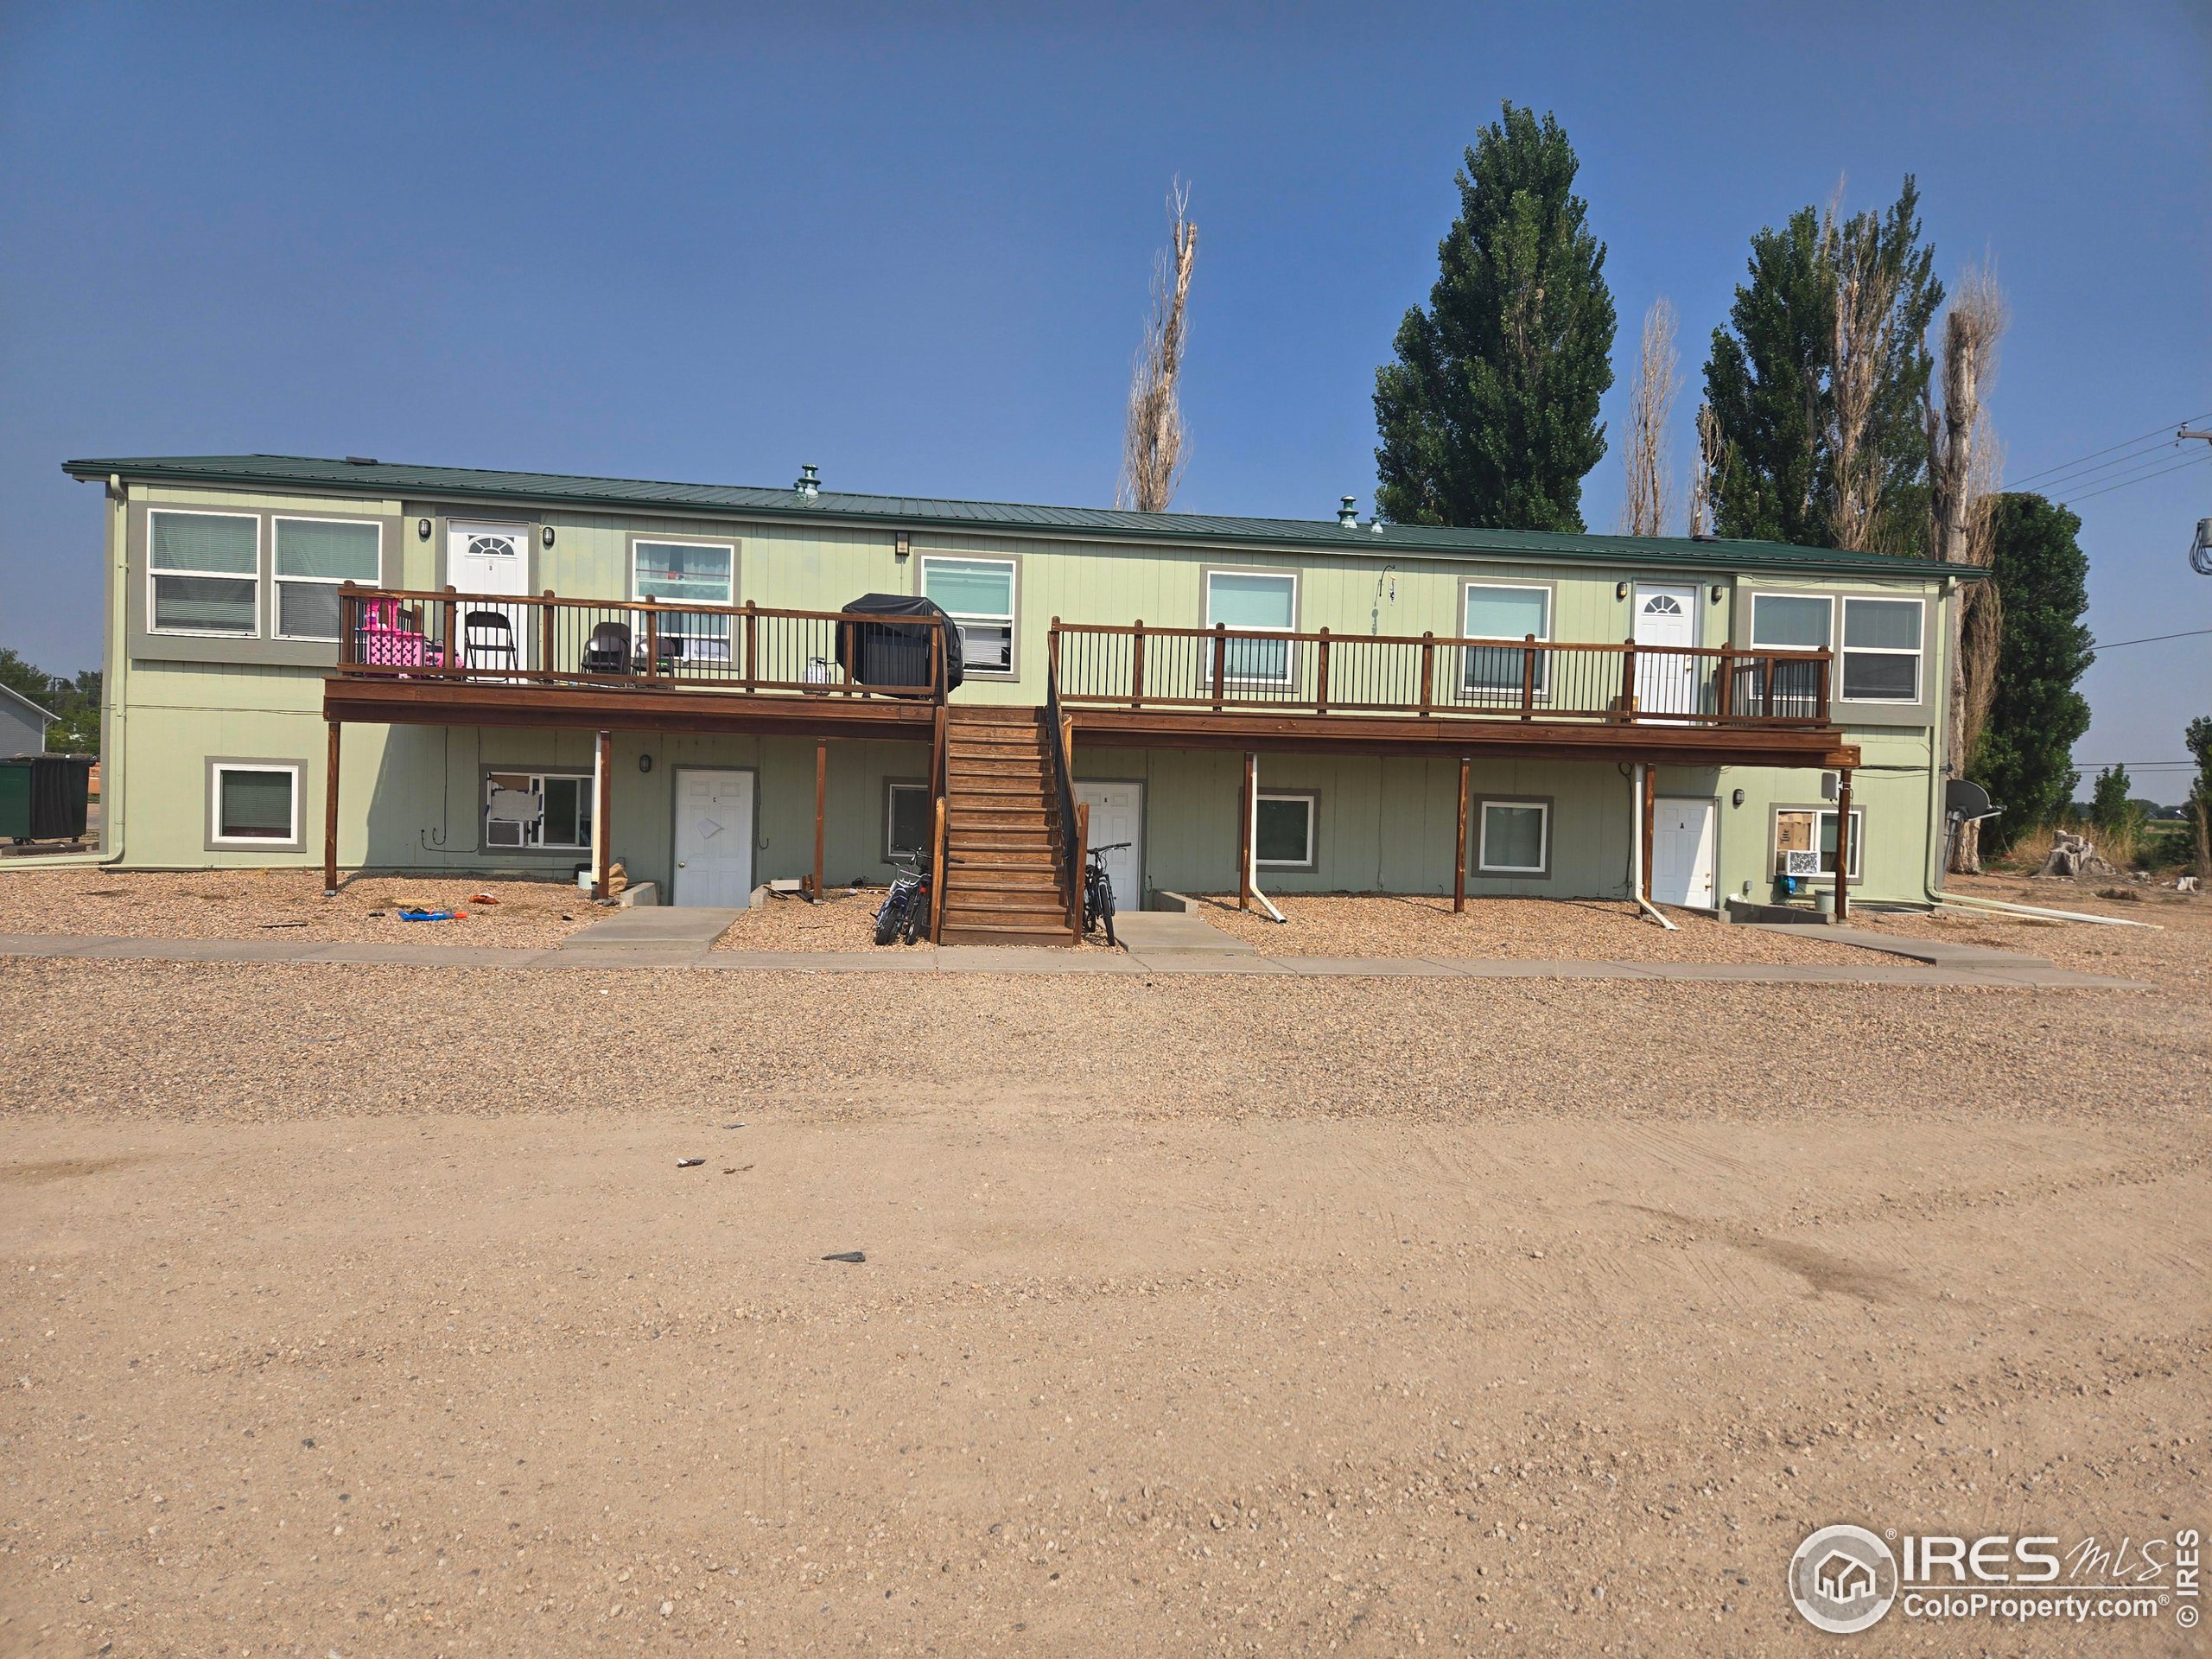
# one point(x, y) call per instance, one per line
point(2175, 950)
point(288, 903)
point(1596, 930)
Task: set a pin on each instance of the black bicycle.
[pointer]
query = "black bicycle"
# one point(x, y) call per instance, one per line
point(905, 908)
point(1098, 891)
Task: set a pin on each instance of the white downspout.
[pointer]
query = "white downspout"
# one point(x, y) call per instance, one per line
point(1252, 842)
point(1635, 849)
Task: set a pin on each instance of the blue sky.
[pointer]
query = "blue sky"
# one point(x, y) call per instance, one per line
point(911, 246)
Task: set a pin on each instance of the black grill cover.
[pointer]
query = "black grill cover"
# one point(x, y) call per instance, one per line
point(878, 649)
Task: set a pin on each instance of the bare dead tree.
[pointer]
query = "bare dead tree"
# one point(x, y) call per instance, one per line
point(1965, 468)
point(1704, 484)
point(1645, 507)
point(1154, 447)
point(1866, 324)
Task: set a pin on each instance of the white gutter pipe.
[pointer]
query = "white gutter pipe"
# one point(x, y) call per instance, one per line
point(1960, 901)
point(1635, 849)
point(1252, 840)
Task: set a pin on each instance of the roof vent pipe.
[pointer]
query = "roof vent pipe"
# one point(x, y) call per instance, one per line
point(1348, 514)
point(810, 480)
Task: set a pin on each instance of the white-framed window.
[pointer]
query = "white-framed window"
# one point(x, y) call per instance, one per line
point(1804, 841)
point(537, 810)
point(909, 816)
point(313, 557)
point(1249, 602)
point(1514, 838)
point(203, 573)
point(979, 595)
point(1282, 830)
point(1791, 621)
point(253, 804)
point(1497, 611)
point(1786, 622)
point(680, 572)
point(1881, 650)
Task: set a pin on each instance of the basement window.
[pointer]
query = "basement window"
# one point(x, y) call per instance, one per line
point(1283, 831)
point(1805, 837)
point(1514, 838)
point(538, 811)
point(254, 804)
point(908, 818)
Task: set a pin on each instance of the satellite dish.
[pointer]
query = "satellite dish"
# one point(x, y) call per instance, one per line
point(1964, 798)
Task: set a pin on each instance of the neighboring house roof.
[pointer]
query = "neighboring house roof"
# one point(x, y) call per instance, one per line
point(554, 489)
point(38, 709)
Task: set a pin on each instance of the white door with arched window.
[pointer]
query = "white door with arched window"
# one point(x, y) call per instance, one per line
point(1669, 680)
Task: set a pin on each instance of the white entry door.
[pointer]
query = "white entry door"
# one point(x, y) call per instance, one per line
point(483, 558)
point(1682, 863)
point(1117, 814)
point(1666, 617)
point(714, 838)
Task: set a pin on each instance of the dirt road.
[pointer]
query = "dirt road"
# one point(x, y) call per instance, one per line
point(1212, 1316)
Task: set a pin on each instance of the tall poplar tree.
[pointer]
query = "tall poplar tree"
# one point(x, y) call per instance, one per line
point(1770, 379)
point(2025, 758)
point(1488, 414)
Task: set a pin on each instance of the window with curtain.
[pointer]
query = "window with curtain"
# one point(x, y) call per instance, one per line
point(1283, 835)
point(1253, 600)
point(700, 573)
point(205, 572)
point(978, 595)
point(1786, 622)
point(1514, 838)
point(1881, 650)
point(253, 805)
point(1493, 673)
point(313, 557)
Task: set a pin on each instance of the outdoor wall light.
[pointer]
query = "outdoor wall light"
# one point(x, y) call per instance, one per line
point(902, 547)
point(1620, 590)
point(545, 536)
point(646, 764)
point(1737, 798)
point(423, 529)
point(1717, 591)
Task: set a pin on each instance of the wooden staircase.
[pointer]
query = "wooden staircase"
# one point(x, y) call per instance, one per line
point(1004, 880)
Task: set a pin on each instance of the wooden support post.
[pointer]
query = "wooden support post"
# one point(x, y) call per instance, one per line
point(1528, 677)
point(1650, 804)
point(821, 810)
point(936, 878)
point(652, 645)
point(1843, 845)
point(1724, 701)
point(1220, 660)
point(1628, 680)
point(602, 855)
point(1052, 649)
point(456, 657)
point(1136, 668)
point(545, 614)
point(330, 817)
point(1428, 672)
point(1248, 806)
point(752, 643)
point(1321, 676)
point(1459, 864)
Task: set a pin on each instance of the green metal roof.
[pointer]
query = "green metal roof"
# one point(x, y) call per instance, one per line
point(715, 500)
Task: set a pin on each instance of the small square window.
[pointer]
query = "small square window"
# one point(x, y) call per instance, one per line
point(1282, 832)
point(254, 804)
point(1514, 838)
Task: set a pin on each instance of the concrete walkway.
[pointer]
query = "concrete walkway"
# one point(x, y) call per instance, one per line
point(1996, 970)
point(654, 927)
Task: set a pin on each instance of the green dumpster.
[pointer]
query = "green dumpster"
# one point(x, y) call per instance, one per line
point(43, 797)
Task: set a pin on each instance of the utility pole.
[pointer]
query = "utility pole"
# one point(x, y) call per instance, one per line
point(2200, 550)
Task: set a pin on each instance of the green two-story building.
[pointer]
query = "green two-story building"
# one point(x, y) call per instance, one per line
point(395, 668)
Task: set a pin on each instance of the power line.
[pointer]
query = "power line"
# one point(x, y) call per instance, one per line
point(2194, 461)
point(2148, 639)
point(2156, 431)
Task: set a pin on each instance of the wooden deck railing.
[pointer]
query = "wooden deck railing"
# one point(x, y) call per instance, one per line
point(398, 633)
point(1222, 670)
